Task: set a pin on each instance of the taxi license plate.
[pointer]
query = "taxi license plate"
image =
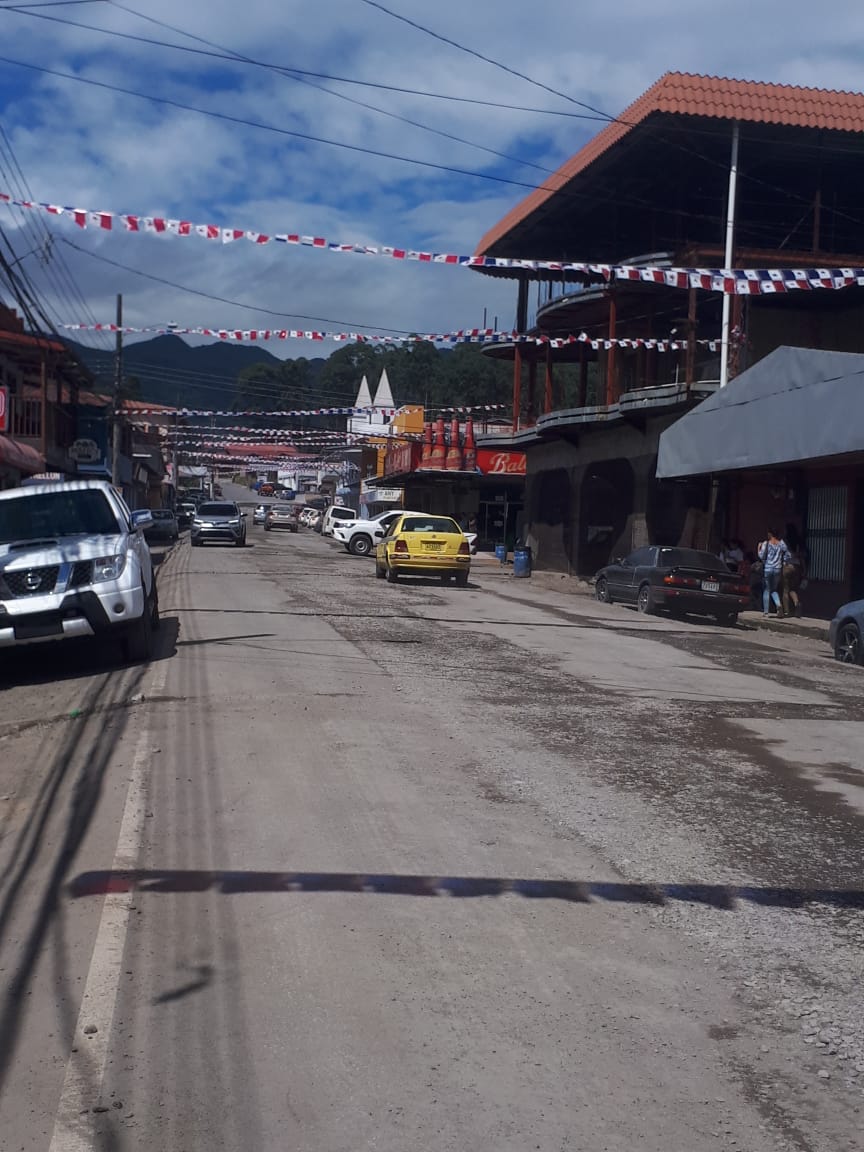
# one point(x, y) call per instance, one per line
point(432, 546)
point(710, 586)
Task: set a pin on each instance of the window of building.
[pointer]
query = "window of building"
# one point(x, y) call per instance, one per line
point(827, 512)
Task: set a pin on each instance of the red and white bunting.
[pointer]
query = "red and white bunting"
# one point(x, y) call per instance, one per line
point(729, 281)
point(460, 336)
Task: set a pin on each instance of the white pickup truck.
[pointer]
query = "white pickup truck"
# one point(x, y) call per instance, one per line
point(74, 562)
point(361, 536)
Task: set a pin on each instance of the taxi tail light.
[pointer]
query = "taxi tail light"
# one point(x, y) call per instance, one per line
point(401, 547)
point(681, 581)
point(464, 548)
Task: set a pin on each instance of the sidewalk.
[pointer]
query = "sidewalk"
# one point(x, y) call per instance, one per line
point(572, 585)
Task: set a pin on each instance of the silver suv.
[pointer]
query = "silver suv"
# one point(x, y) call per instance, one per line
point(219, 520)
point(74, 562)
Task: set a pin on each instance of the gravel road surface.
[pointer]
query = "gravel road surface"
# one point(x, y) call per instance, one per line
point(352, 865)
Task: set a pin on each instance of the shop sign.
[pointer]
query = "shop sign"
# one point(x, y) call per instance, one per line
point(4, 409)
point(494, 463)
point(401, 458)
point(85, 451)
point(384, 495)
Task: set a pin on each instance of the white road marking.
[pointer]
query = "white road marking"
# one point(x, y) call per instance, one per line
point(75, 1122)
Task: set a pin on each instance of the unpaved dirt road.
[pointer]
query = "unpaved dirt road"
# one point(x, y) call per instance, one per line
point(358, 866)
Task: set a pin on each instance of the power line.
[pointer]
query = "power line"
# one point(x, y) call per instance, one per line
point(232, 303)
point(581, 103)
point(308, 137)
point(56, 271)
point(287, 74)
point(223, 54)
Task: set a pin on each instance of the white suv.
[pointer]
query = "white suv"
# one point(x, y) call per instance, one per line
point(74, 562)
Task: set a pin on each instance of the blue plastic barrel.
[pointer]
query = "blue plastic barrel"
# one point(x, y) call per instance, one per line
point(501, 553)
point(522, 563)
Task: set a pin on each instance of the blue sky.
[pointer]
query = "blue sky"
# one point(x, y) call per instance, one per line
point(99, 149)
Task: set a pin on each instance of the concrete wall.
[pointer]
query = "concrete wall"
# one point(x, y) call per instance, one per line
point(590, 500)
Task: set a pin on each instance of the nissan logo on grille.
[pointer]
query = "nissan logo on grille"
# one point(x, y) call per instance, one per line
point(33, 581)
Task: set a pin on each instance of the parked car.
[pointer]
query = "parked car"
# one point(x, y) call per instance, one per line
point(163, 527)
point(316, 520)
point(335, 513)
point(280, 518)
point(361, 536)
point(260, 513)
point(219, 520)
point(73, 563)
point(676, 579)
point(421, 545)
point(185, 512)
point(845, 633)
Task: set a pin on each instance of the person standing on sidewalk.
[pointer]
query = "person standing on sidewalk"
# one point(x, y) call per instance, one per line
point(794, 572)
point(774, 554)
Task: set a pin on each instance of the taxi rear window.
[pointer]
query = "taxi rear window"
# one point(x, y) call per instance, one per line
point(431, 524)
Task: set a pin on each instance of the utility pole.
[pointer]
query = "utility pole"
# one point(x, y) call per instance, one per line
point(117, 430)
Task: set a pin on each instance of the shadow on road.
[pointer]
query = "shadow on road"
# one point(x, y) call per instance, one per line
point(228, 883)
point(43, 853)
point(49, 662)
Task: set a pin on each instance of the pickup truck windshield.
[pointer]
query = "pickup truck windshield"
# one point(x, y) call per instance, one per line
point(49, 515)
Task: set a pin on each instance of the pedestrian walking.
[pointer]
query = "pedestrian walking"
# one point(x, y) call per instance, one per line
point(773, 553)
point(793, 580)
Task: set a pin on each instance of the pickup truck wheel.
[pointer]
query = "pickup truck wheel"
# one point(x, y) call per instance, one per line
point(360, 545)
point(138, 641)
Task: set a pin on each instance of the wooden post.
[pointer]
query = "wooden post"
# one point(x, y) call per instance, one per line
point(532, 388)
point(690, 357)
point(43, 382)
point(517, 386)
point(817, 219)
point(549, 391)
point(611, 366)
point(582, 398)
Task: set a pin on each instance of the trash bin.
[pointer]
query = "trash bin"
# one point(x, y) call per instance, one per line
point(522, 563)
point(501, 553)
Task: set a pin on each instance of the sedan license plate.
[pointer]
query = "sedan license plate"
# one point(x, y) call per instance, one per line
point(432, 545)
point(710, 586)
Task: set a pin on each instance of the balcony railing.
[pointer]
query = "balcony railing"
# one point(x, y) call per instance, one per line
point(26, 424)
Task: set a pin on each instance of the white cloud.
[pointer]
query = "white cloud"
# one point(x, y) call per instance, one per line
point(100, 149)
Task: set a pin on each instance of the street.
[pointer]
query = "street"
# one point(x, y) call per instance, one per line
point(352, 865)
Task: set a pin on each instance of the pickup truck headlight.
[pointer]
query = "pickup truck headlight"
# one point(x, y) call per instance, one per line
point(109, 567)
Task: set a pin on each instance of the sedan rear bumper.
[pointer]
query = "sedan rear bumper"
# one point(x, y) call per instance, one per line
point(700, 603)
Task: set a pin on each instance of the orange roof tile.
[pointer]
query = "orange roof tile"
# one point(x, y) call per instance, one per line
point(685, 94)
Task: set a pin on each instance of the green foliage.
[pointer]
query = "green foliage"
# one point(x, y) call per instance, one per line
point(419, 373)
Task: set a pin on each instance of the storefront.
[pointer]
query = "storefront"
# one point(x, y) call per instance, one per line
point(784, 442)
point(487, 499)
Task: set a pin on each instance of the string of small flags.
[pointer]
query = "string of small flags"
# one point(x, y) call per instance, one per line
point(730, 281)
point(462, 336)
point(169, 416)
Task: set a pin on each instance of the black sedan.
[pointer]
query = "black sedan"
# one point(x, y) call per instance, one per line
point(676, 579)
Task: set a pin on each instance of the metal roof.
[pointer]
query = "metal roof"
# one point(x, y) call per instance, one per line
point(796, 404)
point(687, 95)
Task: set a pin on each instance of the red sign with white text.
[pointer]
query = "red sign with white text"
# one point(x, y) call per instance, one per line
point(4, 409)
point(401, 458)
point(491, 462)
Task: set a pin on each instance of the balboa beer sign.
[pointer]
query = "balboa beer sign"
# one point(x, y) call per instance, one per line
point(492, 462)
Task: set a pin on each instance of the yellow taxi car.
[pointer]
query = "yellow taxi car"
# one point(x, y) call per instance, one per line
point(419, 544)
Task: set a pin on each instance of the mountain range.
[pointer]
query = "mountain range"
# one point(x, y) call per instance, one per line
point(170, 371)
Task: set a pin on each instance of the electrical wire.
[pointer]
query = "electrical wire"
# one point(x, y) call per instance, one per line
point(233, 303)
point(287, 74)
point(56, 271)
